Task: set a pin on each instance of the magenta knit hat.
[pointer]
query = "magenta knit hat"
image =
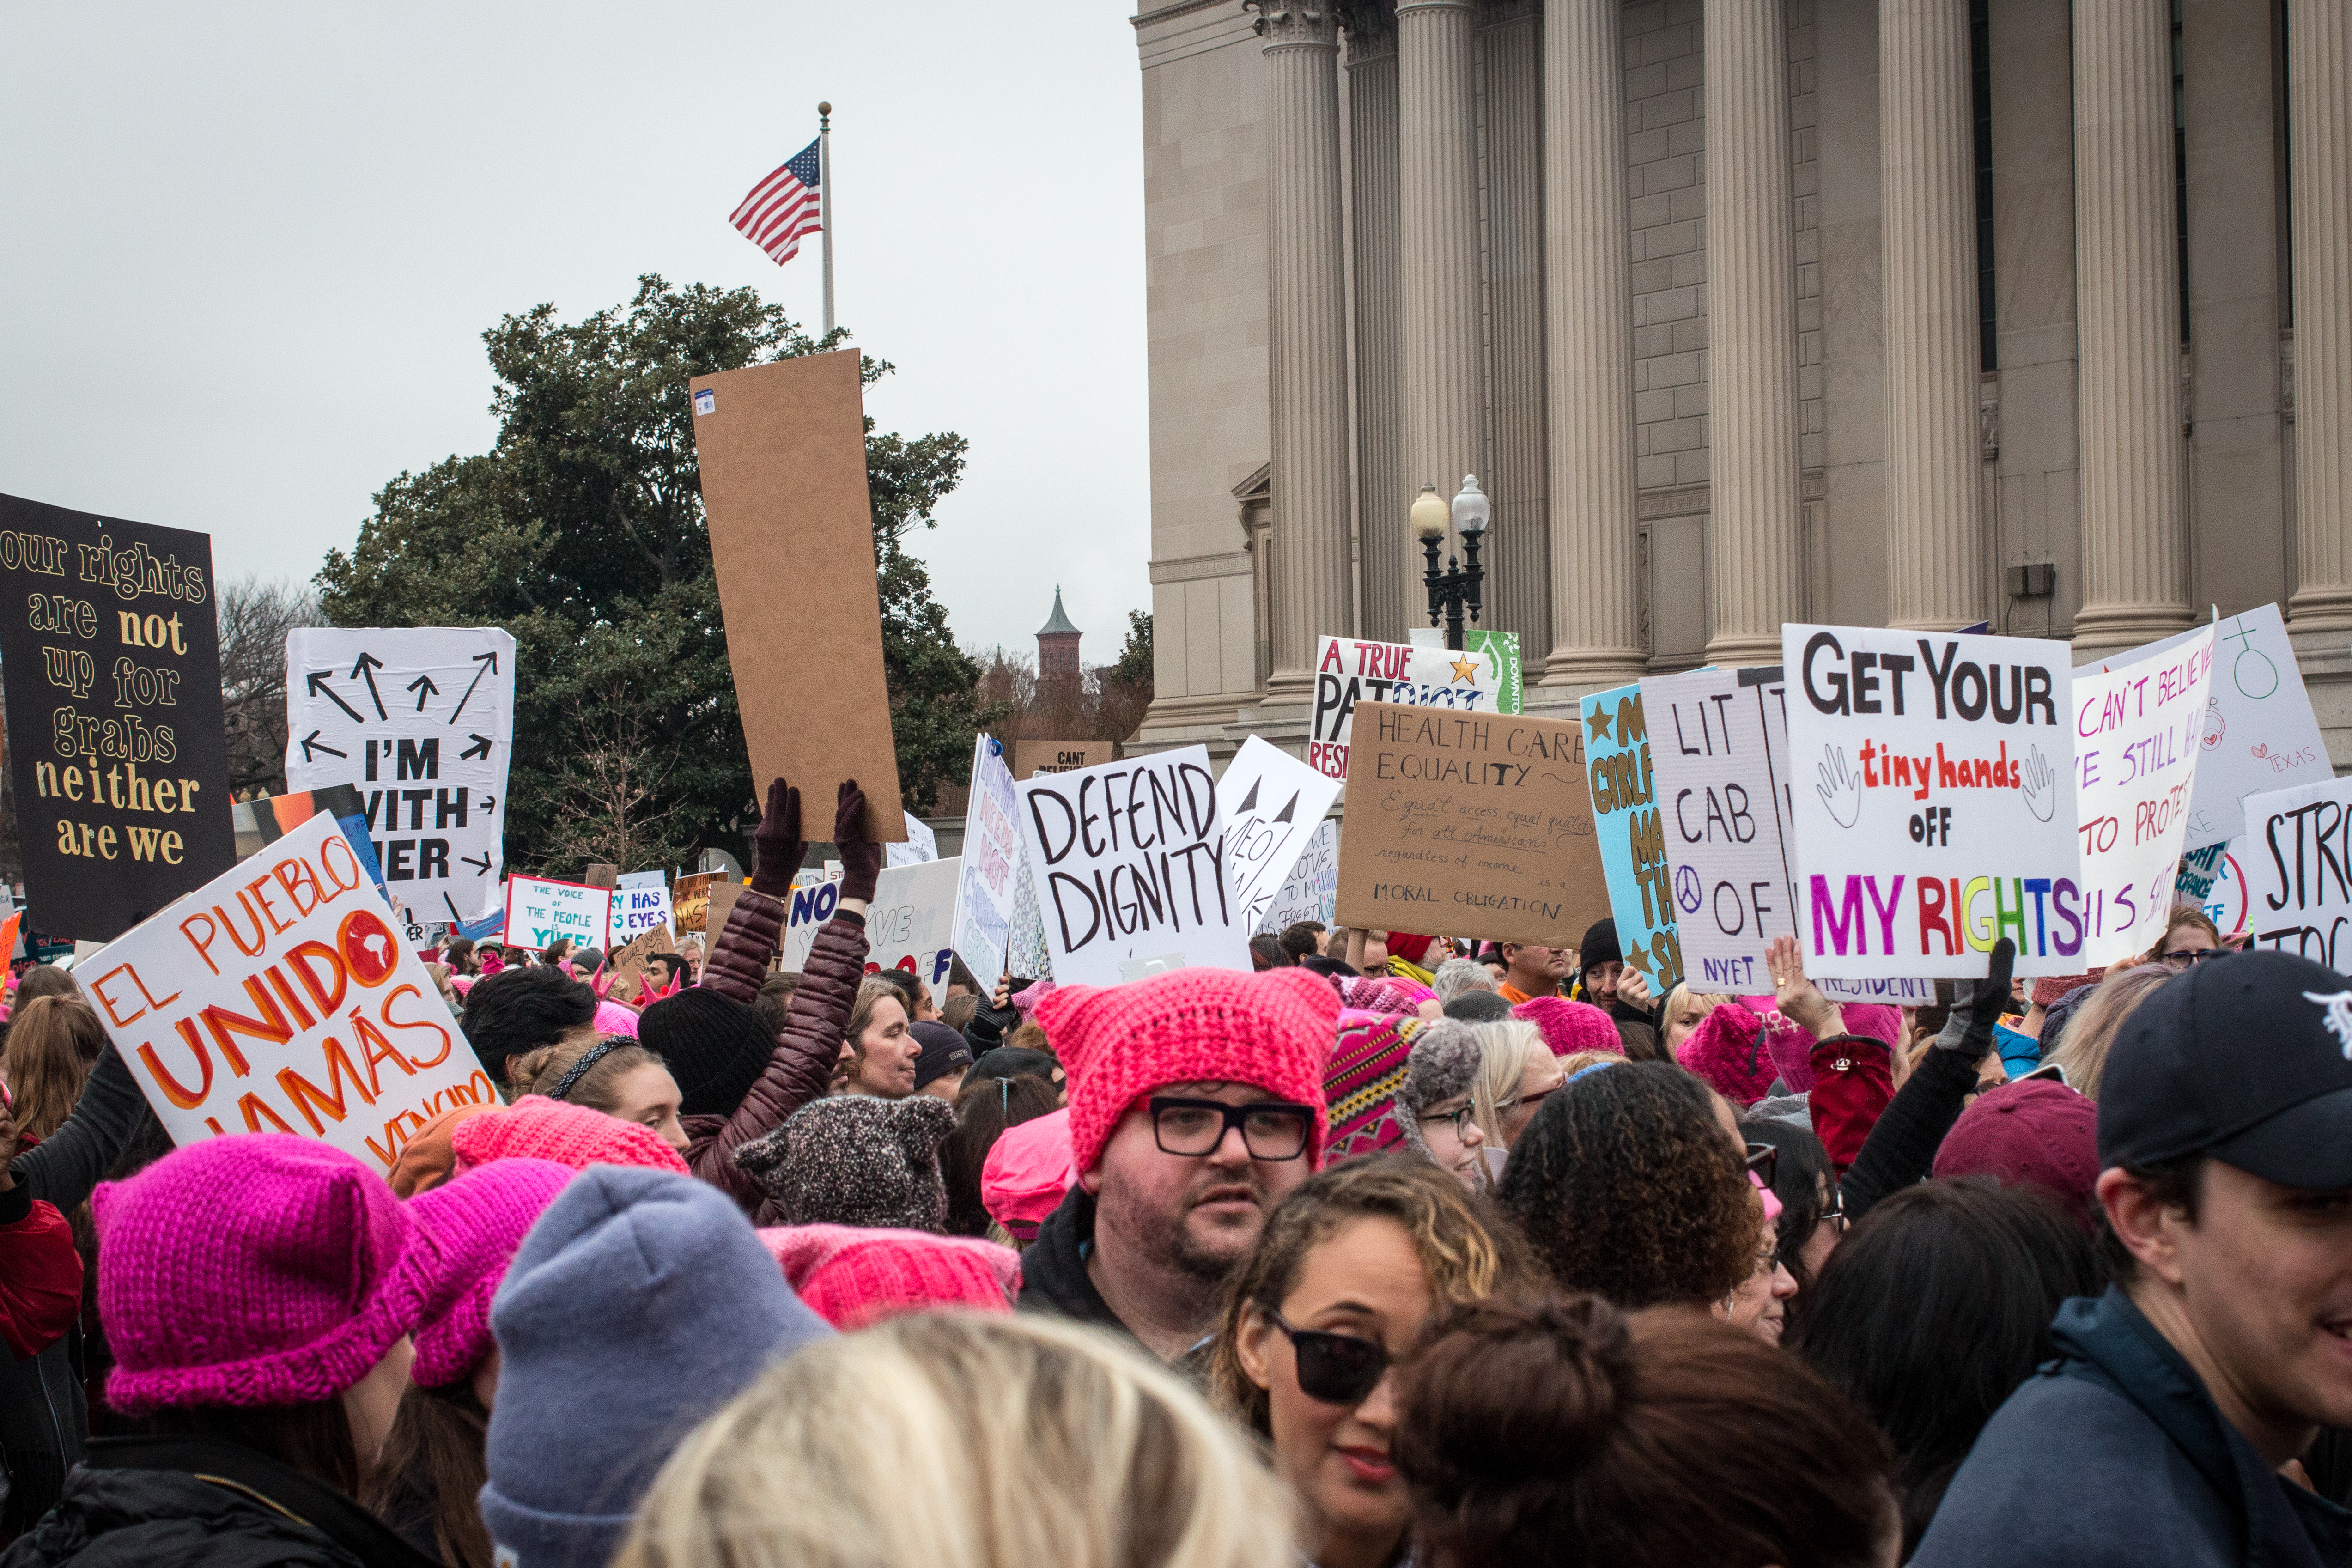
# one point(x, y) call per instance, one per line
point(1028, 1173)
point(476, 1221)
point(259, 1268)
point(1731, 1051)
point(1196, 1025)
point(1570, 1026)
point(538, 1128)
point(851, 1275)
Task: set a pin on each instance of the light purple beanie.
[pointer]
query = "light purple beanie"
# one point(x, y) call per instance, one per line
point(476, 1221)
point(257, 1268)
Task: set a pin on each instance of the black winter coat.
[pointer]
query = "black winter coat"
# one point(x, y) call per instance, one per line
point(196, 1502)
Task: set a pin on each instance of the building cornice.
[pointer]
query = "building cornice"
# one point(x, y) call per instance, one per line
point(1181, 8)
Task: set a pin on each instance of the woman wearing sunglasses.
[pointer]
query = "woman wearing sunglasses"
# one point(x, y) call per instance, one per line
point(1348, 1268)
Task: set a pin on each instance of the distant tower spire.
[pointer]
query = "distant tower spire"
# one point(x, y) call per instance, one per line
point(1057, 644)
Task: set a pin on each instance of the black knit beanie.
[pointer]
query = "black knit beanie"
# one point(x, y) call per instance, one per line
point(1600, 945)
point(715, 1046)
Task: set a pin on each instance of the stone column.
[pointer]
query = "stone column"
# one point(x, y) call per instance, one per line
point(1596, 626)
point(1390, 560)
point(2320, 129)
point(1307, 354)
point(1444, 381)
point(1936, 551)
point(2128, 305)
point(1755, 533)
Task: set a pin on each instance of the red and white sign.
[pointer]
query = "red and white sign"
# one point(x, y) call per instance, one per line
point(280, 998)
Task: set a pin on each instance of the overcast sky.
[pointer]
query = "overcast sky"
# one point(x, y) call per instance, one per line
point(246, 251)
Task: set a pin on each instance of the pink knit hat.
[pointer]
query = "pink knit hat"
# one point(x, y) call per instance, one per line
point(477, 1220)
point(538, 1128)
point(1028, 1173)
point(851, 1275)
point(259, 1268)
point(1730, 1050)
point(1196, 1025)
point(1570, 1026)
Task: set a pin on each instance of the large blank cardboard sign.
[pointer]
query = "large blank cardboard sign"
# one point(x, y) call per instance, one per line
point(111, 653)
point(1130, 866)
point(1933, 776)
point(1469, 825)
point(782, 449)
point(280, 998)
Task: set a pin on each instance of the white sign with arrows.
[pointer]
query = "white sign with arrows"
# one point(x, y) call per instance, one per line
point(420, 721)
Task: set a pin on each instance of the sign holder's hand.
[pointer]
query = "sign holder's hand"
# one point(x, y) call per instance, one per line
point(861, 858)
point(779, 847)
point(1634, 989)
point(1800, 1000)
point(1974, 1013)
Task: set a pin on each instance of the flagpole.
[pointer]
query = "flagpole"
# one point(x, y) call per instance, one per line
point(824, 200)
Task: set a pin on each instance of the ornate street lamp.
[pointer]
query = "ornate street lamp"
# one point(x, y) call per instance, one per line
point(1458, 585)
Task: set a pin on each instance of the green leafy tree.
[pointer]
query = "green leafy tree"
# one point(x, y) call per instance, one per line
point(582, 532)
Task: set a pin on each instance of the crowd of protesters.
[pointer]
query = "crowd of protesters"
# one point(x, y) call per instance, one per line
point(1399, 1250)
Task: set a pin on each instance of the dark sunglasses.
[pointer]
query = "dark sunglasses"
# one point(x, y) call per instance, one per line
point(1336, 1369)
point(1764, 1160)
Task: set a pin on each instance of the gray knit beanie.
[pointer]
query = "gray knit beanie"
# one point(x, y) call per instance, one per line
point(1443, 1063)
point(852, 1159)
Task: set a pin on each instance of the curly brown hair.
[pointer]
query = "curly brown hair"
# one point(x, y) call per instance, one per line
point(1465, 1247)
point(1625, 1185)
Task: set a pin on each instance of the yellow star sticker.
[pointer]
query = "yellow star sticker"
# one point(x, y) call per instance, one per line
point(1599, 725)
point(1467, 670)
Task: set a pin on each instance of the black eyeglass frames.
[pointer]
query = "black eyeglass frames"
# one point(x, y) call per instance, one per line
point(1272, 1130)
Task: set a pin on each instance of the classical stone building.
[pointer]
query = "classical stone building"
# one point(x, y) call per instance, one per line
point(1898, 312)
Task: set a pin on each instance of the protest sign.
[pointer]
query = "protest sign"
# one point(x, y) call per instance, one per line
point(1502, 647)
point(814, 897)
point(992, 854)
point(603, 874)
point(718, 903)
point(2260, 732)
point(1632, 841)
point(2296, 858)
point(420, 720)
point(540, 912)
point(1718, 749)
point(689, 900)
point(265, 819)
point(2136, 730)
point(111, 662)
point(921, 843)
point(1063, 756)
point(1891, 992)
point(1130, 859)
point(2212, 880)
point(1027, 958)
point(1272, 803)
point(1470, 824)
point(625, 967)
point(782, 453)
point(637, 908)
point(279, 998)
point(1348, 671)
point(908, 924)
point(1933, 775)
point(1311, 892)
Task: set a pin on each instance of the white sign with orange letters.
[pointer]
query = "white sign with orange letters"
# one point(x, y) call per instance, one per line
point(278, 997)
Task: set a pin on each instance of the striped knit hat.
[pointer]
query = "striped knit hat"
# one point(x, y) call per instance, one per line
point(1367, 1070)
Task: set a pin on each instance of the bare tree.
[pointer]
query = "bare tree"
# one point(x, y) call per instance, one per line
point(603, 790)
point(255, 617)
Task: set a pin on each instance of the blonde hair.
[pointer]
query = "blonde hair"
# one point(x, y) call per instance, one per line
point(2081, 1048)
point(1041, 1441)
point(1505, 1047)
point(1707, 1001)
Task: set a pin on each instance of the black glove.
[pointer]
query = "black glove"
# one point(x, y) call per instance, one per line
point(861, 858)
point(778, 844)
point(1976, 1010)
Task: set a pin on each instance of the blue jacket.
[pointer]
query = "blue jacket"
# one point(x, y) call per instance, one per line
point(2115, 1454)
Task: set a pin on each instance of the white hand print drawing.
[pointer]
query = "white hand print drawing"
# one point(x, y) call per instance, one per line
point(2038, 782)
point(1840, 787)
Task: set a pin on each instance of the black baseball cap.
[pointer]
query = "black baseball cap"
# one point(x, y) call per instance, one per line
point(2247, 1059)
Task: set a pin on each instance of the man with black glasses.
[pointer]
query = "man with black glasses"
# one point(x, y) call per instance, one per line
point(1196, 1103)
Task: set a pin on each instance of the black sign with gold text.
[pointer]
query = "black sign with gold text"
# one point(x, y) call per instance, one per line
point(111, 654)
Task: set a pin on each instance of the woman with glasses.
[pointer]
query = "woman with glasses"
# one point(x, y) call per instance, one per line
point(1516, 1072)
point(1812, 1209)
point(1347, 1271)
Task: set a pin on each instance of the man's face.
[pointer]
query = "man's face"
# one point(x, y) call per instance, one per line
point(1198, 1214)
point(1545, 967)
point(1600, 981)
point(2266, 1275)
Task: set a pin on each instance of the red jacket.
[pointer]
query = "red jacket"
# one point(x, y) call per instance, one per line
point(802, 1067)
point(40, 1274)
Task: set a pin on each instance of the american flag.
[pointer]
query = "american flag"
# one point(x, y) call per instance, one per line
point(783, 207)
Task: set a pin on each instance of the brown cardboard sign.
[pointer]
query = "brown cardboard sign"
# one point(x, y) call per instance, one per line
point(689, 899)
point(1475, 825)
point(782, 450)
point(723, 894)
point(1063, 756)
point(601, 875)
point(628, 964)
